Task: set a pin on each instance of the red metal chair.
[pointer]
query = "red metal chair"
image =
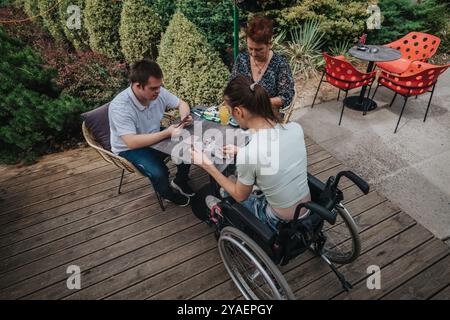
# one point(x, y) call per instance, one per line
point(415, 46)
point(344, 76)
point(418, 79)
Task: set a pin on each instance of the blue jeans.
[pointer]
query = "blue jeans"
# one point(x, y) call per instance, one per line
point(258, 205)
point(150, 162)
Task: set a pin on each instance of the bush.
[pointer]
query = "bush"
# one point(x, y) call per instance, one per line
point(33, 114)
point(193, 71)
point(340, 19)
point(164, 9)
point(92, 77)
point(400, 17)
point(102, 20)
point(79, 38)
point(30, 7)
point(49, 11)
point(303, 50)
point(140, 31)
point(214, 19)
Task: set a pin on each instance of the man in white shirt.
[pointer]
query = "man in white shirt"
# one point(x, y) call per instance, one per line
point(135, 115)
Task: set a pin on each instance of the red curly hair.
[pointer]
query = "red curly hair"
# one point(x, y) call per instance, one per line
point(260, 30)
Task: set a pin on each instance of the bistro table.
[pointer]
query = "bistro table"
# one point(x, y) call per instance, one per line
point(374, 53)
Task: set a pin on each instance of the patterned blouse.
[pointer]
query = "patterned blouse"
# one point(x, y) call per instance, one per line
point(277, 79)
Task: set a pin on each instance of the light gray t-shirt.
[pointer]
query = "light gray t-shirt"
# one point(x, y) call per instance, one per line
point(275, 161)
point(128, 116)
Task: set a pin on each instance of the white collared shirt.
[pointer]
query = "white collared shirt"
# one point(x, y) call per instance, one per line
point(128, 116)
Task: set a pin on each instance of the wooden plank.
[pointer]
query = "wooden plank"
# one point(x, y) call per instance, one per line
point(65, 237)
point(124, 271)
point(69, 238)
point(171, 277)
point(442, 295)
point(34, 276)
point(224, 291)
point(109, 195)
point(318, 156)
point(424, 285)
point(149, 247)
point(194, 285)
point(63, 186)
point(400, 270)
point(11, 172)
point(313, 149)
point(54, 220)
point(61, 172)
point(327, 286)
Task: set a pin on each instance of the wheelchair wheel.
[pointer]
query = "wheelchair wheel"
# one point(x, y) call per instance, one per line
point(343, 244)
point(253, 272)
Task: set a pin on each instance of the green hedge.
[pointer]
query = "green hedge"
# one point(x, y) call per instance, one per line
point(400, 17)
point(214, 19)
point(79, 38)
point(102, 20)
point(342, 20)
point(33, 115)
point(49, 11)
point(192, 69)
point(140, 31)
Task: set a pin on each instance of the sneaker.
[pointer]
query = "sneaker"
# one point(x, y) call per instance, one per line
point(182, 187)
point(211, 201)
point(179, 199)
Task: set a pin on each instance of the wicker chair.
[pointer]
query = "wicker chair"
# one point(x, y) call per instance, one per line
point(287, 112)
point(118, 161)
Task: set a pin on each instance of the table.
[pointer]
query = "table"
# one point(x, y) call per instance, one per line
point(383, 54)
point(179, 151)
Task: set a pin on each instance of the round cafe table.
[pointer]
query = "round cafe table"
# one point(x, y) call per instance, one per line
point(374, 53)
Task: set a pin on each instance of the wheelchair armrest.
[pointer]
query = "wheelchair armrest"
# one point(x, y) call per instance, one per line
point(252, 222)
point(317, 208)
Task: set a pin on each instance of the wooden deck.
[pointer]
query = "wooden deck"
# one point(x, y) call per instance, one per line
point(65, 211)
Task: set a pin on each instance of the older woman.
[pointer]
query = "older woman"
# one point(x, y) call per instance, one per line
point(263, 66)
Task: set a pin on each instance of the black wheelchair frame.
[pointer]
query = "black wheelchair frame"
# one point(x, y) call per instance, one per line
point(292, 238)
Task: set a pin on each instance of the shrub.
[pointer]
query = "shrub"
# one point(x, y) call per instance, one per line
point(49, 11)
point(92, 77)
point(400, 17)
point(214, 19)
point(79, 38)
point(192, 69)
point(340, 19)
point(140, 30)
point(303, 50)
point(33, 114)
point(30, 7)
point(102, 20)
point(164, 9)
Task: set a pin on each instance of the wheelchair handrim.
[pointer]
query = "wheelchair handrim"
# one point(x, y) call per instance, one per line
point(273, 279)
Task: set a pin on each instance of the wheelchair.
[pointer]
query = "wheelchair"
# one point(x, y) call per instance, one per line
point(252, 251)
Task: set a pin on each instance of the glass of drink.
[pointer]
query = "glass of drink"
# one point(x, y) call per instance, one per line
point(224, 115)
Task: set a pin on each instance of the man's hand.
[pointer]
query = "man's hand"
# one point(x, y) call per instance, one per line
point(174, 130)
point(188, 120)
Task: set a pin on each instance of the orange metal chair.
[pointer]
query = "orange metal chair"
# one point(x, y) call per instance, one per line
point(415, 46)
point(419, 78)
point(344, 76)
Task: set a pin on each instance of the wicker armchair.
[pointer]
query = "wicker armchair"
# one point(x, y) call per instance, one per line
point(287, 112)
point(119, 161)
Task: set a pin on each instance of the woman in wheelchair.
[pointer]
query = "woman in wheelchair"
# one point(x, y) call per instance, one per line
point(274, 160)
point(291, 212)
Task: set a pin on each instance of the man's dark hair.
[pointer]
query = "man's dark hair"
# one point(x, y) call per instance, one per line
point(142, 70)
